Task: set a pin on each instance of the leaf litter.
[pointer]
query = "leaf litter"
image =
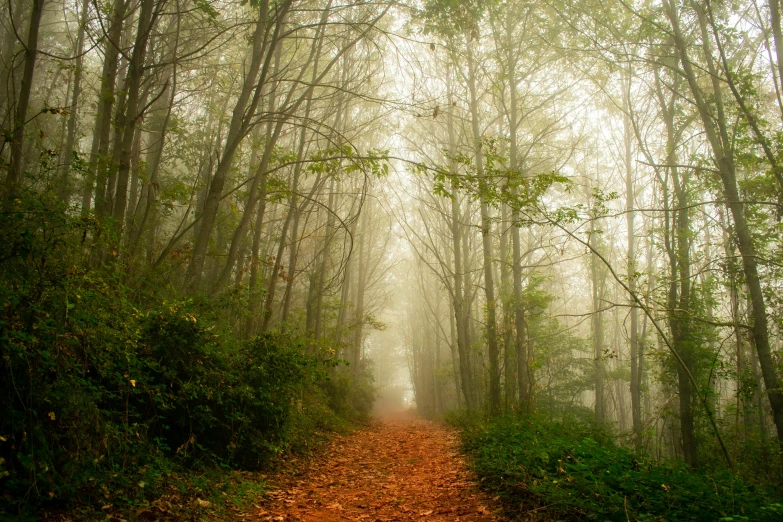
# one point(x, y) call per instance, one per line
point(396, 468)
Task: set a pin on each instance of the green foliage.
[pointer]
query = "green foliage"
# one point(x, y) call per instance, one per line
point(575, 467)
point(560, 360)
point(499, 185)
point(453, 17)
point(346, 160)
point(102, 392)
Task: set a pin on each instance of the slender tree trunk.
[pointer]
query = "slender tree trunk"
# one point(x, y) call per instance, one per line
point(361, 284)
point(345, 290)
point(255, 298)
point(509, 354)
point(146, 217)
point(459, 308)
point(777, 35)
point(109, 161)
point(633, 333)
point(278, 266)
point(241, 118)
point(486, 229)
point(293, 251)
point(520, 338)
point(455, 363)
point(133, 189)
point(16, 165)
point(132, 114)
point(314, 320)
point(597, 319)
point(64, 184)
point(8, 83)
point(96, 179)
point(716, 129)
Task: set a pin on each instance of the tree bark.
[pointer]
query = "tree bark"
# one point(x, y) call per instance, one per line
point(486, 242)
point(132, 113)
point(241, 118)
point(64, 184)
point(596, 319)
point(716, 129)
point(633, 333)
point(16, 165)
point(459, 308)
point(96, 181)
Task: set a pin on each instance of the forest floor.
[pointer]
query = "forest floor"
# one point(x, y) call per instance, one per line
point(398, 467)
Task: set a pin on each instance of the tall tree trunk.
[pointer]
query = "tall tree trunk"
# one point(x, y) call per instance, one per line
point(8, 84)
point(314, 320)
point(293, 251)
point(777, 35)
point(633, 332)
point(271, 286)
point(597, 319)
point(459, 308)
point(146, 217)
point(64, 183)
point(255, 298)
point(132, 114)
point(16, 165)
point(242, 117)
point(345, 289)
point(361, 285)
point(454, 349)
point(520, 337)
point(486, 241)
point(96, 178)
point(509, 355)
point(716, 129)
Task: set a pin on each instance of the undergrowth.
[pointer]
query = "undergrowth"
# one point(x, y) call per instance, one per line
point(574, 470)
point(112, 399)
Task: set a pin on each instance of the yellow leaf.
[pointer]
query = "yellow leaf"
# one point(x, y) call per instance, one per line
point(133, 383)
point(52, 415)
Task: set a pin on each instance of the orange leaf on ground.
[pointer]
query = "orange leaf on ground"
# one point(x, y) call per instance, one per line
point(398, 468)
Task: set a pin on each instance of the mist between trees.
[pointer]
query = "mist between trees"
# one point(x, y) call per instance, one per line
point(565, 208)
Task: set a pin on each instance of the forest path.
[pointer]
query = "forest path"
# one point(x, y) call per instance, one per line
point(398, 468)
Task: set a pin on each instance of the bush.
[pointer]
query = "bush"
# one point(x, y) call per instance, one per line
point(103, 396)
point(576, 469)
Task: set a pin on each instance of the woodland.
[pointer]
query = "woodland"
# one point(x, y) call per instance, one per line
point(231, 229)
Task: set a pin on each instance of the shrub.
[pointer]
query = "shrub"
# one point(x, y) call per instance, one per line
point(103, 395)
point(575, 468)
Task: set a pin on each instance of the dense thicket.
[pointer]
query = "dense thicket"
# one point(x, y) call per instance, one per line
point(105, 391)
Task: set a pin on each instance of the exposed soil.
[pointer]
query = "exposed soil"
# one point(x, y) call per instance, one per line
point(397, 468)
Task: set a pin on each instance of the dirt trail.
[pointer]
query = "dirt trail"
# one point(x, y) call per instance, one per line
point(397, 468)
